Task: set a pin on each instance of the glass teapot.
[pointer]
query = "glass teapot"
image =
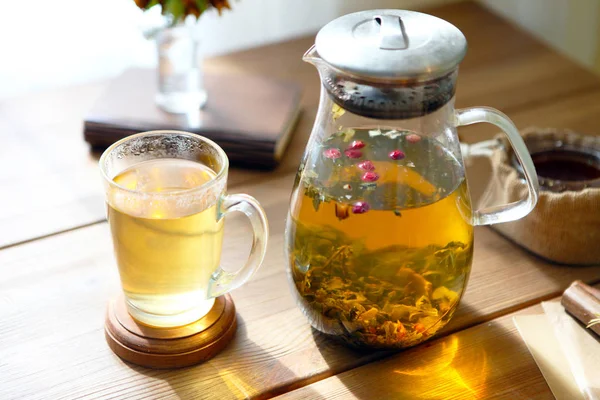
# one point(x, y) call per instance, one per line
point(380, 232)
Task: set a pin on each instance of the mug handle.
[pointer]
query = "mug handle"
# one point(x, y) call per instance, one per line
point(222, 281)
point(518, 209)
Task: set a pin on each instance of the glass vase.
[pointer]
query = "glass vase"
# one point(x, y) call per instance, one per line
point(180, 79)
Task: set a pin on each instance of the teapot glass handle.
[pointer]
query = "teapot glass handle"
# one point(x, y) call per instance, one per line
point(518, 209)
point(222, 281)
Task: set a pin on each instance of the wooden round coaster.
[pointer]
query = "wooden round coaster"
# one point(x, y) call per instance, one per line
point(170, 347)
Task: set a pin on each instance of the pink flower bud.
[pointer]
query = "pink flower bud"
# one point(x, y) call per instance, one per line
point(366, 166)
point(413, 138)
point(397, 155)
point(370, 177)
point(360, 207)
point(332, 153)
point(350, 153)
point(357, 144)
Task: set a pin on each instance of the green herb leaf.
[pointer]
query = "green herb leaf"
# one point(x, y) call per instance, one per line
point(202, 5)
point(379, 297)
point(316, 202)
point(175, 9)
point(348, 135)
point(152, 3)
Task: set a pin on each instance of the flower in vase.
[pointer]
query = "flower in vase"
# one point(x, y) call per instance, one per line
point(178, 10)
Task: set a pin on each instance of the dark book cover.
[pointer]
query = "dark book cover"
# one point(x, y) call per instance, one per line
point(250, 117)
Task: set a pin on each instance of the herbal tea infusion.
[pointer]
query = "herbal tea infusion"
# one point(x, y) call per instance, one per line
point(165, 259)
point(380, 239)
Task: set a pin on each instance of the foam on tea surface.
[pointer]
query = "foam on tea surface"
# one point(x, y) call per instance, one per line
point(165, 258)
point(164, 175)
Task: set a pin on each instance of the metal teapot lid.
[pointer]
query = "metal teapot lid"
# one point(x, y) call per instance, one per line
point(392, 44)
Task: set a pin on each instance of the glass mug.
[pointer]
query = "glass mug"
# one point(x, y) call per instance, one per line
point(166, 199)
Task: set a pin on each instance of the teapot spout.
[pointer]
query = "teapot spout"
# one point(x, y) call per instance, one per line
point(312, 56)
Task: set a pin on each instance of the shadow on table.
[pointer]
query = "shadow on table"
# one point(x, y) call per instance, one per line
point(454, 365)
point(243, 370)
point(562, 274)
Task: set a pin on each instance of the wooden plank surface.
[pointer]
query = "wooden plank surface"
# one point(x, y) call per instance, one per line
point(54, 292)
point(487, 361)
point(53, 178)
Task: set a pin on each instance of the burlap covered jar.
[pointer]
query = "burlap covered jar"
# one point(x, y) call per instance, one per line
point(564, 227)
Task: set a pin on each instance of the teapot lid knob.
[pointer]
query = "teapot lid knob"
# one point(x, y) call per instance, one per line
point(392, 44)
point(392, 33)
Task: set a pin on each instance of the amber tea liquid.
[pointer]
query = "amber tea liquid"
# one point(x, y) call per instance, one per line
point(165, 259)
point(379, 237)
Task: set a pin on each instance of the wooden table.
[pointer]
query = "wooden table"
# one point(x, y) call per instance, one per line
point(58, 271)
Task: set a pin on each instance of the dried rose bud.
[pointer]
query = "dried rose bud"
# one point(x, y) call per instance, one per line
point(357, 144)
point(360, 207)
point(413, 138)
point(366, 166)
point(342, 211)
point(332, 153)
point(370, 177)
point(350, 153)
point(397, 155)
